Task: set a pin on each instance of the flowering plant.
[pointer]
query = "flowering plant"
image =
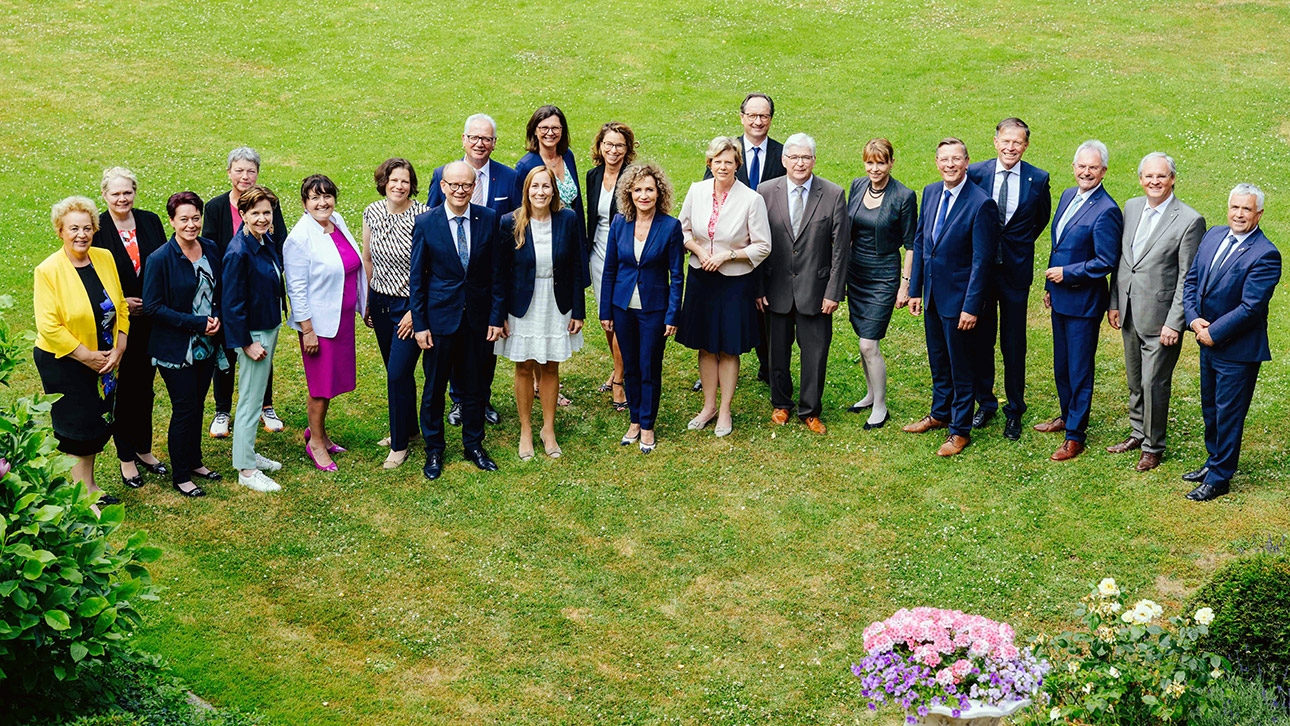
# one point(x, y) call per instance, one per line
point(1131, 666)
point(928, 657)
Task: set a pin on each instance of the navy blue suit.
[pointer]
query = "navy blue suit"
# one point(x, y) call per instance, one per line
point(501, 188)
point(457, 305)
point(1008, 287)
point(657, 277)
point(531, 161)
point(1233, 296)
point(567, 263)
point(1087, 252)
point(950, 273)
point(254, 295)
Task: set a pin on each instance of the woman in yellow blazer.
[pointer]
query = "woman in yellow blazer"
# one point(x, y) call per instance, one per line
point(81, 326)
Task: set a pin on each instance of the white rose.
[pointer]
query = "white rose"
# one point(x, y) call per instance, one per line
point(1073, 666)
point(1054, 714)
point(1115, 607)
point(1216, 673)
point(1107, 588)
point(1114, 673)
point(1205, 616)
point(1088, 687)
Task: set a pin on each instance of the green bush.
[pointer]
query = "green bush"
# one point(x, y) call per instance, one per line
point(1251, 602)
point(1247, 701)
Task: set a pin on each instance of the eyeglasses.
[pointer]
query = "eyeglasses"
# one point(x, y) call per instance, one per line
point(460, 186)
point(549, 130)
point(480, 139)
point(1089, 167)
point(799, 158)
point(613, 147)
point(756, 116)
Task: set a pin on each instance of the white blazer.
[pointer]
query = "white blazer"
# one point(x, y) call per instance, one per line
point(741, 225)
point(315, 275)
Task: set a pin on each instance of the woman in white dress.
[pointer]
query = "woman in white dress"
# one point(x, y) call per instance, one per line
point(544, 301)
point(613, 150)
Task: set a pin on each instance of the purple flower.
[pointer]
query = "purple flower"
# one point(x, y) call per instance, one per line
point(4, 467)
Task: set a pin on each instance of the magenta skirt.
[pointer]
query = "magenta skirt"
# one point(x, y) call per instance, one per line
point(333, 370)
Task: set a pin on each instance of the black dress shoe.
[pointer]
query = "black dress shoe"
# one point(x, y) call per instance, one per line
point(871, 426)
point(210, 475)
point(1012, 429)
point(196, 491)
point(434, 465)
point(158, 468)
point(134, 482)
point(982, 417)
point(491, 415)
point(454, 415)
point(1205, 491)
point(108, 500)
point(698, 386)
point(1197, 475)
point(481, 460)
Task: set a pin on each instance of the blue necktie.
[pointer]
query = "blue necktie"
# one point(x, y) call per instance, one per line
point(754, 171)
point(940, 216)
point(1224, 250)
point(463, 249)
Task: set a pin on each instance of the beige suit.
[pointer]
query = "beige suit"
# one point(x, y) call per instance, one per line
point(1147, 290)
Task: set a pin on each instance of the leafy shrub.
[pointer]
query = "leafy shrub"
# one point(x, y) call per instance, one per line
point(1251, 602)
point(1248, 700)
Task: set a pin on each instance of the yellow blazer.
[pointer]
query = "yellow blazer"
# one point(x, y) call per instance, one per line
point(64, 317)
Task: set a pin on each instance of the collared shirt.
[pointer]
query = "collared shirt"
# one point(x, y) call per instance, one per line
point(452, 226)
point(791, 189)
point(954, 196)
point(1014, 187)
point(761, 156)
point(482, 175)
point(1077, 202)
point(1153, 220)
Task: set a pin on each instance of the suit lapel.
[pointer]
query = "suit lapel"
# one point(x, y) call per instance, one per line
point(1227, 264)
point(450, 235)
point(651, 240)
point(812, 201)
point(1170, 215)
point(953, 214)
point(1079, 213)
point(476, 234)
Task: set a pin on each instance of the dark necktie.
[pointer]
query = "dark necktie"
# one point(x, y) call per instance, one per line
point(1003, 214)
point(463, 249)
point(1224, 250)
point(940, 216)
point(754, 171)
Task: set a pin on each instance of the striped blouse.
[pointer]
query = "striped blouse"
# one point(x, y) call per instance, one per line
point(390, 237)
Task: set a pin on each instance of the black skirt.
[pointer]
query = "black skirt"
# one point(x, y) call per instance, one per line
point(82, 418)
point(719, 314)
point(872, 284)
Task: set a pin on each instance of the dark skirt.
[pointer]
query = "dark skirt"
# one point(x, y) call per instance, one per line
point(719, 314)
point(82, 418)
point(872, 284)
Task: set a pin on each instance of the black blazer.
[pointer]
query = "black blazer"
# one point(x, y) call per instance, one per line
point(150, 235)
point(217, 225)
point(595, 186)
point(567, 258)
point(773, 167)
point(168, 289)
point(897, 216)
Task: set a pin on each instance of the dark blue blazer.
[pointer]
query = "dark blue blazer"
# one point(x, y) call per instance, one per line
point(531, 161)
point(953, 268)
point(566, 256)
point(1017, 238)
point(501, 186)
point(660, 272)
point(1234, 296)
point(1088, 252)
point(443, 295)
point(254, 295)
point(169, 284)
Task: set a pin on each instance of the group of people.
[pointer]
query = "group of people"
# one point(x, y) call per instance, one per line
point(496, 262)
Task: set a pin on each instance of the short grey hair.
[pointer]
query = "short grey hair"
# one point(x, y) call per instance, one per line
point(1243, 189)
point(800, 139)
point(1173, 168)
point(465, 129)
point(1097, 146)
point(243, 153)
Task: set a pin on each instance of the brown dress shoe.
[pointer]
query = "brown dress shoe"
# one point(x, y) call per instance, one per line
point(925, 424)
point(1049, 427)
point(815, 425)
point(1068, 450)
point(1147, 461)
point(955, 444)
point(780, 416)
point(1129, 444)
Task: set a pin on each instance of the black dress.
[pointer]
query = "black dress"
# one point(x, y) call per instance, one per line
point(873, 275)
point(82, 418)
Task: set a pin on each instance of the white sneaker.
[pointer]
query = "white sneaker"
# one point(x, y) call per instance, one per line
point(258, 481)
point(266, 464)
point(220, 424)
point(270, 419)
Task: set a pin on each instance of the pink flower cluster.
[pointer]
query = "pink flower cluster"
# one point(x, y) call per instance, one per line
point(932, 633)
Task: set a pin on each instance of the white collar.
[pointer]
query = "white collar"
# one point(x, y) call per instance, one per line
point(955, 191)
point(1162, 206)
point(1242, 237)
point(806, 185)
point(1015, 170)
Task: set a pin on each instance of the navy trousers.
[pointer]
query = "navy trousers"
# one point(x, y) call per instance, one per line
point(400, 358)
point(465, 357)
point(1074, 347)
point(1004, 313)
point(641, 340)
point(950, 356)
point(1226, 389)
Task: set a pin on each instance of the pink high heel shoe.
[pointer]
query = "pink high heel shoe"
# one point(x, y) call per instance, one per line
point(333, 449)
point(330, 467)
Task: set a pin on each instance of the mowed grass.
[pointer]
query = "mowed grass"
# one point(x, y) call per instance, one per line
point(715, 581)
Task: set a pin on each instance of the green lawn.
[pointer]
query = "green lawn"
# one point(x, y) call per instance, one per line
point(716, 581)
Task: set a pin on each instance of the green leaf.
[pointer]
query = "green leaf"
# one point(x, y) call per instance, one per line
point(105, 620)
point(45, 556)
point(24, 502)
point(91, 606)
point(136, 539)
point(8, 587)
point(79, 652)
point(57, 619)
point(112, 516)
point(148, 554)
point(48, 512)
point(33, 569)
point(59, 597)
point(125, 590)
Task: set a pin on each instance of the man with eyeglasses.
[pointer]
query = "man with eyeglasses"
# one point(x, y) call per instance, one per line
point(803, 279)
point(494, 188)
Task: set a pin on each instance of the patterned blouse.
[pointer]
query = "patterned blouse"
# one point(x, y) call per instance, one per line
point(390, 245)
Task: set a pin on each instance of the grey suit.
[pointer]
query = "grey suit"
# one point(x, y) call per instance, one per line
point(801, 272)
point(1147, 290)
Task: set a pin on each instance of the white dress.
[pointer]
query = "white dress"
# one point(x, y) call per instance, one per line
point(542, 335)
point(601, 244)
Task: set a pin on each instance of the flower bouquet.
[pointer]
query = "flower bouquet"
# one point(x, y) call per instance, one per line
point(948, 662)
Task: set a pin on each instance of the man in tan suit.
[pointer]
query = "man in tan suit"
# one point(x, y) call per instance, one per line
point(1160, 238)
point(803, 278)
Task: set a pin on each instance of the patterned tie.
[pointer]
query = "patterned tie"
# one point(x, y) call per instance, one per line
point(463, 249)
point(940, 216)
point(1140, 237)
point(754, 171)
point(1224, 250)
point(1066, 217)
point(478, 196)
point(1003, 213)
point(796, 211)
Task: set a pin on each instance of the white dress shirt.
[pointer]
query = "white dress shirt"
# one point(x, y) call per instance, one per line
point(1014, 187)
point(452, 229)
point(954, 197)
point(761, 157)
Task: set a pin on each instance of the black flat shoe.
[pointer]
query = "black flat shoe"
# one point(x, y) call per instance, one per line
point(481, 460)
point(871, 426)
point(210, 475)
point(196, 491)
point(1197, 475)
point(434, 465)
point(158, 468)
point(134, 482)
point(108, 500)
point(1206, 492)
point(857, 408)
